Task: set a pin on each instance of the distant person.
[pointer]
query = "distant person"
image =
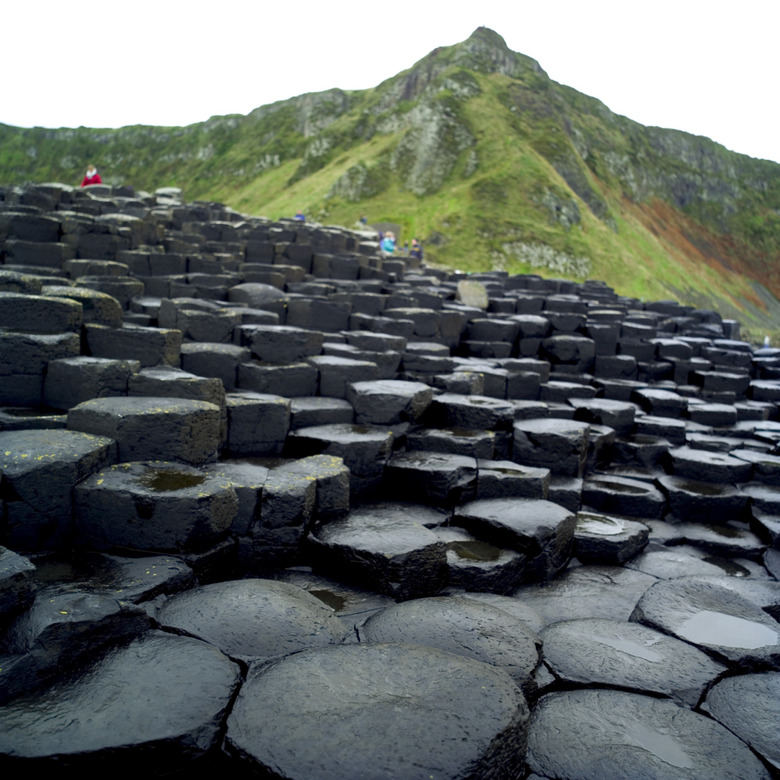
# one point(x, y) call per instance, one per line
point(300, 216)
point(364, 220)
point(416, 250)
point(388, 243)
point(92, 176)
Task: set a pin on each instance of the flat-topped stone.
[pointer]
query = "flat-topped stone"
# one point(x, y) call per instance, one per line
point(716, 618)
point(540, 530)
point(602, 539)
point(556, 444)
point(386, 546)
point(602, 727)
point(39, 313)
point(152, 428)
point(39, 469)
point(436, 478)
point(388, 402)
point(59, 724)
point(613, 653)
point(475, 722)
point(364, 448)
point(462, 626)
point(252, 619)
point(153, 505)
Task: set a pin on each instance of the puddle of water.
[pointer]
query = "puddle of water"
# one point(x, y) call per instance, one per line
point(162, 480)
point(634, 648)
point(32, 412)
point(718, 628)
point(599, 525)
point(475, 550)
point(703, 488)
point(619, 487)
point(664, 746)
point(724, 530)
point(730, 567)
point(333, 600)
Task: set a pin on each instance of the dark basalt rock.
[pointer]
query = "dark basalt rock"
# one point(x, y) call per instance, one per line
point(601, 539)
point(17, 587)
point(39, 470)
point(153, 505)
point(559, 445)
point(354, 377)
point(628, 656)
point(589, 591)
point(386, 547)
point(611, 735)
point(542, 531)
point(252, 619)
point(63, 626)
point(379, 710)
point(477, 565)
point(147, 707)
point(685, 560)
point(462, 626)
point(364, 449)
point(715, 618)
point(436, 478)
point(623, 496)
point(149, 428)
point(747, 706)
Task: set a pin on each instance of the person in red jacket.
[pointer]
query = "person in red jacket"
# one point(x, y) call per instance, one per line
point(92, 176)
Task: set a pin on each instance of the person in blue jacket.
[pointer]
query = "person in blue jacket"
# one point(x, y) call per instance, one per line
point(388, 243)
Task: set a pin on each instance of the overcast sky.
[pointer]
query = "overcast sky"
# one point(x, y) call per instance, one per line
point(704, 66)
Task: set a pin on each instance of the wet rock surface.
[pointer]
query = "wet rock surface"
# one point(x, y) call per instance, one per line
point(644, 737)
point(279, 505)
point(379, 710)
point(150, 705)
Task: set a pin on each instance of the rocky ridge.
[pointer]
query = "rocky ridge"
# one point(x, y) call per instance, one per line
point(276, 503)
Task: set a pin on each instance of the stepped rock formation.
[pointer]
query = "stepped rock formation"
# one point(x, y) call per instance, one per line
point(278, 504)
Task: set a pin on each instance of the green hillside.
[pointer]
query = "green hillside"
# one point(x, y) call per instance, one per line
point(475, 151)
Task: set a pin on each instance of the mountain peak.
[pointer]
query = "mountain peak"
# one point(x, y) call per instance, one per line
point(485, 50)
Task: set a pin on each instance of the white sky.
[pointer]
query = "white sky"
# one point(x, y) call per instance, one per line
point(709, 67)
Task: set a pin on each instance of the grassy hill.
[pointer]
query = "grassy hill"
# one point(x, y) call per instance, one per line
point(490, 163)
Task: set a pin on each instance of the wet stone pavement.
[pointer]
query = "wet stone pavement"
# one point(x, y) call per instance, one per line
point(278, 505)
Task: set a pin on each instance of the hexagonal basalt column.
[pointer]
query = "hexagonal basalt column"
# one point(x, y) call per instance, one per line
point(365, 449)
point(38, 469)
point(153, 505)
point(559, 445)
point(153, 428)
point(540, 530)
point(257, 423)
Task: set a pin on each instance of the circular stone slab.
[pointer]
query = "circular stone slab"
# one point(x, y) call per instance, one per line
point(462, 626)
point(715, 617)
point(627, 655)
point(587, 591)
point(379, 711)
point(610, 735)
point(253, 619)
point(748, 706)
point(153, 704)
point(154, 505)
